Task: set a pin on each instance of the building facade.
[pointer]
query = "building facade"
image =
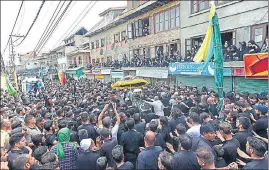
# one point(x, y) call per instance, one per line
point(239, 21)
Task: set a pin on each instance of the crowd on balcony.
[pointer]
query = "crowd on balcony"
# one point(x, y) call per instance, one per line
point(230, 53)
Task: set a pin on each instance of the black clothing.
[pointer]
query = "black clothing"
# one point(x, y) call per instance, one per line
point(175, 121)
point(126, 166)
point(185, 160)
point(160, 141)
point(140, 127)
point(201, 142)
point(131, 141)
point(257, 164)
point(261, 126)
point(87, 160)
point(90, 129)
point(106, 150)
point(242, 138)
point(220, 163)
point(230, 150)
point(13, 154)
point(50, 138)
point(148, 158)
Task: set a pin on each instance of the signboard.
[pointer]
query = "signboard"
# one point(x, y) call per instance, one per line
point(117, 74)
point(99, 76)
point(105, 71)
point(238, 72)
point(194, 69)
point(256, 65)
point(152, 73)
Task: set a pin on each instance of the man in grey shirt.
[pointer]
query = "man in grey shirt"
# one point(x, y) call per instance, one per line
point(157, 106)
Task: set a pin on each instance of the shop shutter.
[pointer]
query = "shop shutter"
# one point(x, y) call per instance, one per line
point(250, 85)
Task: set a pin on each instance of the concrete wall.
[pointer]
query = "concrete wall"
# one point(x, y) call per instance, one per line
point(233, 15)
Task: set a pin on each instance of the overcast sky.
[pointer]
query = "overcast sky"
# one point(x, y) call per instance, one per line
point(9, 10)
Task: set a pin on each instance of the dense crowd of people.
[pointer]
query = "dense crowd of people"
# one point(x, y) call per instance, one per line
point(95, 127)
point(230, 53)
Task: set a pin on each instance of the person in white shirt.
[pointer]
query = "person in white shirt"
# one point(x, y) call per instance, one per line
point(157, 106)
point(194, 130)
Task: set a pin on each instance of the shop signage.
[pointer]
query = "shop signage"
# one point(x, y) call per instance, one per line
point(117, 74)
point(99, 76)
point(238, 72)
point(194, 69)
point(105, 71)
point(256, 66)
point(152, 73)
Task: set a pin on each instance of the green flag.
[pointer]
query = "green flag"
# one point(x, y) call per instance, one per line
point(11, 90)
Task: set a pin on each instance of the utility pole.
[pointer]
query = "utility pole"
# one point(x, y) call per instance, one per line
point(12, 70)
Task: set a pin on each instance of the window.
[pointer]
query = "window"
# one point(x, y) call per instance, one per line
point(92, 45)
point(108, 39)
point(172, 18)
point(161, 21)
point(97, 44)
point(140, 27)
point(187, 46)
point(259, 33)
point(145, 27)
point(199, 5)
point(157, 18)
point(117, 38)
point(102, 42)
point(123, 35)
point(177, 17)
point(166, 20)
point(130, 31)
point(79, 60)
point(136, 28)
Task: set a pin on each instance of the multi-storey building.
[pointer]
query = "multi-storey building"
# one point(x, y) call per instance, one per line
point(239, 21)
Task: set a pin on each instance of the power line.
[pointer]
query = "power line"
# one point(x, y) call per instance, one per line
point(55, 26)
point(13, 26)
point(49, 24)
point(77, 23)
point(38, 12)
point(22, 16)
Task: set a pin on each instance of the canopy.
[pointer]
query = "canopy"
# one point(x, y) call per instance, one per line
point(130, 82)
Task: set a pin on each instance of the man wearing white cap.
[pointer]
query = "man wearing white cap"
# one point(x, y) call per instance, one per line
point(87, 159)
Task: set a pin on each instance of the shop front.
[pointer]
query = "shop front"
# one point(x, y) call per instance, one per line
point(117, 75)
point(106, 74)
point(75, 73)
point(154, 76)
point(99, 77)
point(190, 74)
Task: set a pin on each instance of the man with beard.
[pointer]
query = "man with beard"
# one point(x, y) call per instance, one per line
point(256, 148)
point(212, 106)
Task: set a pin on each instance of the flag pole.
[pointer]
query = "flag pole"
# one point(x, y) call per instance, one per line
point(218, 58)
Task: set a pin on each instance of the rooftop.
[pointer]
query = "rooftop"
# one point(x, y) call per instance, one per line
point(111, 9)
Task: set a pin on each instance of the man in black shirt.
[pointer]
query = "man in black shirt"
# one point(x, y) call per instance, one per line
point(50, 135)
point(256, 148)
point(230, 144)
point(87, 159)
point(262, 123)
point(160, 139)
point(177, 118)
point(185, 158)
point(148, 158)
point(242, 123)
point(131, 141)
point(89, 126)
point(205, 140)
point(139, 125)
point(118, 156)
